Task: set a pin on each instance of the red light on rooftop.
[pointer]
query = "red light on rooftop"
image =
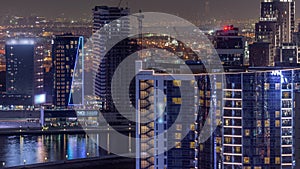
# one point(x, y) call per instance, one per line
point(226, 28)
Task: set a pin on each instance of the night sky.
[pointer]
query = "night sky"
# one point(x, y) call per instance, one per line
point(189, 9)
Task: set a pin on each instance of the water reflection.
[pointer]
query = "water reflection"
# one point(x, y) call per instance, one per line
point(17, 150)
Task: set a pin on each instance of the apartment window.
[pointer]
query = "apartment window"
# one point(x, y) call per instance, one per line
point(178, 136)
point(177, 83)
point(277, 160)
point(277, 123)
point(247, 132)
point(238, 149)
point(267, 160)
point(277, 86)
point(258, 123)
point(178, 127)
point(176, 100)
point(267, 86)
point(267, 123)
point(228, 158)
point(192, 127)
point(192, 145)
point(178, 144)
point(277, 114)
point(246, 160)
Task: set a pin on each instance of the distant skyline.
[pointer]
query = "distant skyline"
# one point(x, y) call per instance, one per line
point(188, 9)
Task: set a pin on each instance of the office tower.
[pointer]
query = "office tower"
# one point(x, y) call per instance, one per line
point(256, 130)
point(104, 71)
point(20, 65)
point(66, 50)
point(276, 26)
point(283, 12)
point(230, 46)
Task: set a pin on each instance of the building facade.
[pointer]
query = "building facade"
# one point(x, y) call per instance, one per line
point(256, 128)
point(66, 50)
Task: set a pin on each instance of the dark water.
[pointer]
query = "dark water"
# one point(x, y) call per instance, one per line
point(17, 150)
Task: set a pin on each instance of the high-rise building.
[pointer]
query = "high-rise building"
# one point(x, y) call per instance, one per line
point(104, 71)
point(66, 49)
point(256, 129)
point(276, 26)
point(230, 46)
point(20, 63)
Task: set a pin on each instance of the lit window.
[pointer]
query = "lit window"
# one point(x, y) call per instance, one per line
point(277, 123)
point(267, 123)
point(247, 132)
point(177, 83)
point(178, 136)
point(277, 160)
point(178, 127)
point(246, 160)
point(277, 114)
point(219, 85)
point(258, 123)
point(238, 149)
point(267, 160)
point(192, 145)
point(178, 144)
point(192, 127)
point(176, 100)
point(267, 86)
point(277, 86)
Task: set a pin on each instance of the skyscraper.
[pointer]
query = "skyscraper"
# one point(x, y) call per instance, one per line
point(256, 129)
point(106, 62)
point(20, 63)
point(66, 49)
point(276, 27)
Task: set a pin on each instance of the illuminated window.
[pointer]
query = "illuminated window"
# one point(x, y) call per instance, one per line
point(192, 127)
point(201, 147)
point(247, 132)
point(178, 144)
point(177, 83)
point(228, 140)
point(238, 149)
point(277, 114)
point(246, 160)
point(267, 86)
point(257, 167)
point(258, 123)
point(277, 86)
point(267, 123)
point(227, 158)
point(219, 140)
point(218, 149)
point(277, 123)
point(178, 127)
point(219, 85)
point(267, 160)
point(227, 122)
point(178, 136)
point(277, 160)
point(192, 145)
point(176, 100)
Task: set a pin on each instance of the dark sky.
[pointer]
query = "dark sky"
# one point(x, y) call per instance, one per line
point(189, 9)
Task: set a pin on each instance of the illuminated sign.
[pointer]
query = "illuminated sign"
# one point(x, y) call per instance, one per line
point(40, 99)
